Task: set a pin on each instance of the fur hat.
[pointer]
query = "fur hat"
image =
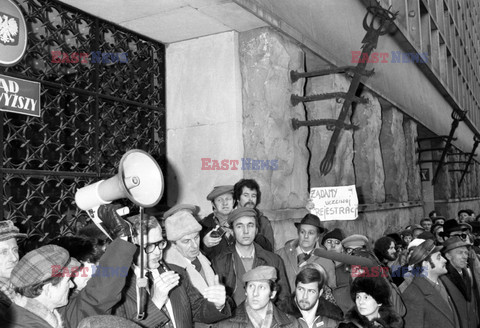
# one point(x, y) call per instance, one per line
point(180, 224)
point(334, 234)
point(377, 287)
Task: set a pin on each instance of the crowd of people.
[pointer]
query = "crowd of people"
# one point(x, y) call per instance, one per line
point(181, 271)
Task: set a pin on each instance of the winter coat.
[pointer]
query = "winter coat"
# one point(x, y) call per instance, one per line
point(289, 257)
point(224, 266)
point(188, 305)
point(425, 306)
point(462, 296)
point(240, 319)
point(328, 315)
point(388, 319)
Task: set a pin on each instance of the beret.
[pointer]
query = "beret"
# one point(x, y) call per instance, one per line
point(241, 212)
point(194, 209)
point(355, 241)
point(41, 264)
point(218, 191)
point(452, 243)
point(8, 230)
point(262, 272)
point(180, 224)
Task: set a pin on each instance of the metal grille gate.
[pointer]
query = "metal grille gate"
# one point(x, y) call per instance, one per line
point(91, 115)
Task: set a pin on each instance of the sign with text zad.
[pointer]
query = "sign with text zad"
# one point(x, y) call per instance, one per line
point(335, 203)
point(19, 96)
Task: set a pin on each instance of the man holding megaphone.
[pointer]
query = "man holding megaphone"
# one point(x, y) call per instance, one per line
point(170, 300)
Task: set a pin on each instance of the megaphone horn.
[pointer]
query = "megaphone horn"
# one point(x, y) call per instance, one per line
point(139, 179)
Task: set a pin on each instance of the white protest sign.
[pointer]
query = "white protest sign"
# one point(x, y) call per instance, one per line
point(334, 203)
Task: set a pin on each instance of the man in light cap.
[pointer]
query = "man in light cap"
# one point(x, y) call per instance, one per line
point(354, 242)
point(170, 299)
point(459, 283)
point(245, 255)
point(42, 277)
point(8, 259)
point(216, 233)
point(428, 303)
point(258, 309)
point(183, 231)
point(300, 251)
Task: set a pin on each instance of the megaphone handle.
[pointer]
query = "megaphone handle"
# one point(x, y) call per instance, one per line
point(141, 307)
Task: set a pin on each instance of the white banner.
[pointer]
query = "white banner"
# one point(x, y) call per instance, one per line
point(334, 203)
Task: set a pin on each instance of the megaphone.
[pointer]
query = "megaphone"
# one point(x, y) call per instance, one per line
point(139, 179)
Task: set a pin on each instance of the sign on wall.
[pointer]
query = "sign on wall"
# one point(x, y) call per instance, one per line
point(13, 33)
point(19, 96)
point(334, 203)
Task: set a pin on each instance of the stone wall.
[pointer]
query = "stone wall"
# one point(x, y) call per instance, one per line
point(266, 59)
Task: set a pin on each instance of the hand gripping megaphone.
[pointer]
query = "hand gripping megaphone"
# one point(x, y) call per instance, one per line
point(139, 179)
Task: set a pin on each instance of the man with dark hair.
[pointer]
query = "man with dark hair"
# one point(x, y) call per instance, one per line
point(464, 215)
point(245, 255)
point(428, 303)
point(307, 303)
point(385, 250)
point(246, 193)
point(426, 224)
point(300, 251)
point(258, 309)
point(170, 299)
point(44, 290)
point(459, 283)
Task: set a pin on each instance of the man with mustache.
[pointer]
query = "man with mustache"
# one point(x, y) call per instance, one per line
point(307, 303)
point(428, 303)
point(246, 193)
point(459, 283)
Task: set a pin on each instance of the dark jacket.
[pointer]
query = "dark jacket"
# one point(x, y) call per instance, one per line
point(224, 266)
point(462, 297)
point(425, 306)
point(328, 315)
point(187, 303)
point(18, 317)
point(104, 289)
point(210, 222)
point(388, 319)
point(240, 319)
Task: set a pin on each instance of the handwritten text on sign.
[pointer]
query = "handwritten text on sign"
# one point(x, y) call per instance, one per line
point(335, 203)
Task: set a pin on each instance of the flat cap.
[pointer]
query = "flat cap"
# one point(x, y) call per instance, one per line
point(193, 209)
point(313, 220)
point(218, 191)
point(9, 230)
point(43, 263)
point(452, 243)
point(180, 224)
point(355, 241)
point(262, 272)
point(422, 251)
point(452, 225)
point(240, 212)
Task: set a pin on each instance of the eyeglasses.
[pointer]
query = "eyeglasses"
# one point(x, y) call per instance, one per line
point(463, 236)
point(333, 242)
point(151, 247)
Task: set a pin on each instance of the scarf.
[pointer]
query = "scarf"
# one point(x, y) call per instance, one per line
point(255, 318)
point(53, 318)
point(172, 255)
point(7, 289)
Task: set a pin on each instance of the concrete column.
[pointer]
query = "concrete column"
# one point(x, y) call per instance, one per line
point(414, 185)
point(204, 117)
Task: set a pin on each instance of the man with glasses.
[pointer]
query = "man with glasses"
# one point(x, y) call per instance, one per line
point(169, 298)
